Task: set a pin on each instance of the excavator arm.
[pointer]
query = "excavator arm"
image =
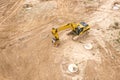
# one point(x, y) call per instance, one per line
point(55, 31)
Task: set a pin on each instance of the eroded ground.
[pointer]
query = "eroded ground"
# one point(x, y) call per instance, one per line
point(26, 51)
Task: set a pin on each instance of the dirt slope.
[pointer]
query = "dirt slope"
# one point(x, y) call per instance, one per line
point(26, 51)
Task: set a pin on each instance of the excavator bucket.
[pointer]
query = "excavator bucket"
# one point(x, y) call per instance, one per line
point(55, 42)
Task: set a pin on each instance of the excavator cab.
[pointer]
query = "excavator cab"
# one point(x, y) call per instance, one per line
point(81, 28)
point(84, 24)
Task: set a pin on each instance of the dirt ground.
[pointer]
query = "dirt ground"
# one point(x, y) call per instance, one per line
point(26, 51)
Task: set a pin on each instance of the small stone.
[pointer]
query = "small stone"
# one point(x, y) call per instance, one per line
point(73, 68)
point(88, 46)
point(28, 6)
point(116, 6)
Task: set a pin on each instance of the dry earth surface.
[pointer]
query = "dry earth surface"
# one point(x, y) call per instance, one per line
point(26, 51)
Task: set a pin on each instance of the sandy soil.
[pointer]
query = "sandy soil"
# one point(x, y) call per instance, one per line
point(26, 51)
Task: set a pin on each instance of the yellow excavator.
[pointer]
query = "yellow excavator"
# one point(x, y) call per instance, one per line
point(77, 28)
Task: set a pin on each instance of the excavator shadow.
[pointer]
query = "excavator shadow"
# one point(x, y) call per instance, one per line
point(71, 33)
point(76, 37)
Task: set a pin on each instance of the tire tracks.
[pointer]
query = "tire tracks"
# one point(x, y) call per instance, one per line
point(14, 8)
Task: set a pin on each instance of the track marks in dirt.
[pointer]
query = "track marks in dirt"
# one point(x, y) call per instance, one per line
point(11, 10)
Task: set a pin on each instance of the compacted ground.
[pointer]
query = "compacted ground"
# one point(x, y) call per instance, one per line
point(26, 51)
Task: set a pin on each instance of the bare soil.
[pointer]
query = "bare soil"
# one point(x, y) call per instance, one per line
point(26, 51)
